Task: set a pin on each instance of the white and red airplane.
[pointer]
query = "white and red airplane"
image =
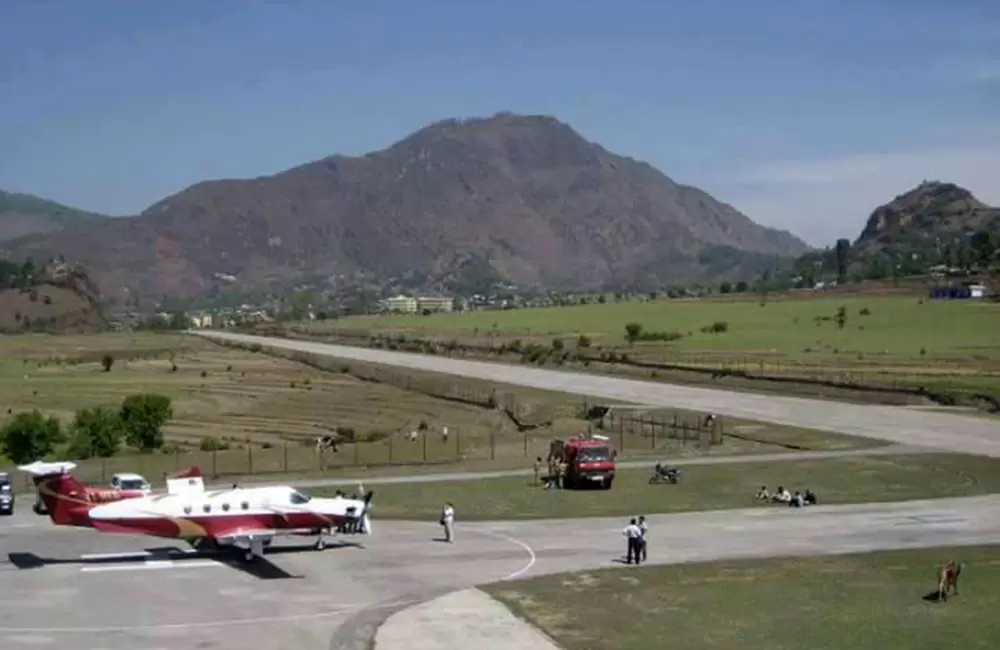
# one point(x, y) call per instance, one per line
point(244, 518)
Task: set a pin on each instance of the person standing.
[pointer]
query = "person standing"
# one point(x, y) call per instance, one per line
point(448, 521)
point(643, 529)
point(634, 535)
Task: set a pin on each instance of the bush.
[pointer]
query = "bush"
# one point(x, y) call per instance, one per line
point(211, 443)
point(143, 417)
point(97, 432)
point(557, 344)
point(717, 327)
point(29, 436)
point(865, 312)
point(107, 361)
point(583, 341)
point(633, 331)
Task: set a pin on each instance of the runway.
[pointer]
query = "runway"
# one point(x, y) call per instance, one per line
point(967, 434)
point(79, 589)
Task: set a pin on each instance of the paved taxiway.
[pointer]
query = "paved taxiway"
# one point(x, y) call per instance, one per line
point(60, 588)
point(968, 434)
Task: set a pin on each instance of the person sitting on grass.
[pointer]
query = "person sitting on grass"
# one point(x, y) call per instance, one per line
point(797, 501)
point(808, 498)
point(762, 494)
point(782, 495)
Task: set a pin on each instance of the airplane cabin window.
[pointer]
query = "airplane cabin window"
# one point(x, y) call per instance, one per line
point(207, 508)
point(245, 505)
point(187, 510)
point(298, 497)
point(225, 506)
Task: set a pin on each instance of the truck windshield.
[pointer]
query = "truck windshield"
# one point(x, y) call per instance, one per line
point(594, 454)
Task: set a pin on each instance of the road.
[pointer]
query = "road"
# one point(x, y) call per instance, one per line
point(959, 433)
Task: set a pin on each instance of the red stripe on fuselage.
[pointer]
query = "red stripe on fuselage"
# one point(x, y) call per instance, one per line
point(215, 525)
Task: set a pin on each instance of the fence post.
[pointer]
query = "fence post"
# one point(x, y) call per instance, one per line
point(621, 441)
point(390, 450)
point(652, 433)
point(458, 443)
point(215, 467)
point(424, 436)
point(177, 460)
point(250, 460)
point(104, 470)
point(493, 444)
point(525, 444)
point(284, 457)
point(357, 452)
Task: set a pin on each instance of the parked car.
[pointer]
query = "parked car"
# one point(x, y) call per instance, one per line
point(131, 483)
point(6, 495)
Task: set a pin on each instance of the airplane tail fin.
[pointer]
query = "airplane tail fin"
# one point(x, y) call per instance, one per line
point(191, 472)
point(64, 498)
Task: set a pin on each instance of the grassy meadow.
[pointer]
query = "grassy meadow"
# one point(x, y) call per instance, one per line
point(904, 340)
point(268, 411)
point(858, 479)
point(866, 602)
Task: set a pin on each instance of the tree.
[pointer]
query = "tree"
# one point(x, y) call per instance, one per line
point(841, 317)
point(143, 417)
point(725, 287)
point(843, 252)
point(96, 432)
point(28, 437)
point(741, 286)
point(632, 332)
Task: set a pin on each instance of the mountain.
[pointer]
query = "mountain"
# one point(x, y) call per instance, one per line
point(23, 214)
point(456, 206)
point(928, 215)
point(935, 224)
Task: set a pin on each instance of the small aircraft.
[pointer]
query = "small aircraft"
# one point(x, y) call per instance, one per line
point(242, 518)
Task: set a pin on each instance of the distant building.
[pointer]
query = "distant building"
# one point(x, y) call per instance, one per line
point(969, 291)
point(402, 304)
point(435, 303)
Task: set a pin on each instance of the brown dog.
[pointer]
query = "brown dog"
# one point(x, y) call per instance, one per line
point(948, 578)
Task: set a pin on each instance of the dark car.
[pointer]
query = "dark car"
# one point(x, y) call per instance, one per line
point(6, 495)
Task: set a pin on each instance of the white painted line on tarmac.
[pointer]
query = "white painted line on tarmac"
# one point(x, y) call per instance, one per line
point(153, 566)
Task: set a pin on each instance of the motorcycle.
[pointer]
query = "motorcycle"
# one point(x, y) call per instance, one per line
point(662, 474)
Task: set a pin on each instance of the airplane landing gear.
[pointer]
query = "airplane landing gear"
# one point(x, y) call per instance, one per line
point(255, 550)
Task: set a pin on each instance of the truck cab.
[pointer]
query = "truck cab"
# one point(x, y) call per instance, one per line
point(6, 495)
point(589, 460)
point(128, 482)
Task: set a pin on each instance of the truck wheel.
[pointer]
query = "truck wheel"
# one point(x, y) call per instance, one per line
point(606, 484)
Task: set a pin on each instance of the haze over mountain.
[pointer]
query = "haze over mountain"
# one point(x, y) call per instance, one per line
point(23, 214)
point(456, 206)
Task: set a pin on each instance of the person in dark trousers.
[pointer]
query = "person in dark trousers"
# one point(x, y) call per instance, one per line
point(643, 529)
point(634, 536)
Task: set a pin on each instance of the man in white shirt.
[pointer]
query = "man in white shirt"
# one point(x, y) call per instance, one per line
point(634, 535)
point(448, 521)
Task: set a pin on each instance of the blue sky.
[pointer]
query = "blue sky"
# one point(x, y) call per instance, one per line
point(804, 114)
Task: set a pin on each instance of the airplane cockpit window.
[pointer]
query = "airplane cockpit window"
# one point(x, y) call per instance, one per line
point(299, 498)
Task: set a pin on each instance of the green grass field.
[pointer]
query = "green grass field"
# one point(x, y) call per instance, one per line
point(270, 410)
point(887, 339)
point(703, 487)
point(862, 602)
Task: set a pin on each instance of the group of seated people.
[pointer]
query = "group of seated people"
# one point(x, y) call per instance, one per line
point(781, 495)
